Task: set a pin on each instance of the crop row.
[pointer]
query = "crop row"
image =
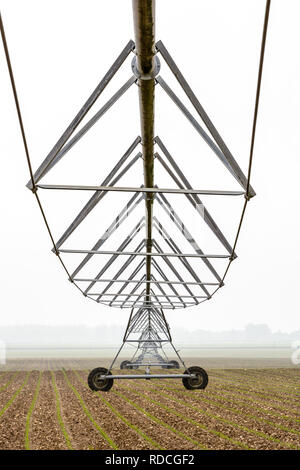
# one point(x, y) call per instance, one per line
point(156, 415)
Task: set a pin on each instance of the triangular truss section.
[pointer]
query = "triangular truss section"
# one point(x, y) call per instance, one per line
point(152, 272)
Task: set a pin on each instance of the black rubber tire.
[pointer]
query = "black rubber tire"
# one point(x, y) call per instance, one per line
point(124, 364)
point(196, 384)
point(98, 385)
point(175, 365)
point(129, 366)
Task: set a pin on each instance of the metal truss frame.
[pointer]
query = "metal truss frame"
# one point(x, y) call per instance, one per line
point(142, 296)
point(150, 295)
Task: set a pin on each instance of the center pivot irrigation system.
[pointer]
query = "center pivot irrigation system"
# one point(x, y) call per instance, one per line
point(147, 329)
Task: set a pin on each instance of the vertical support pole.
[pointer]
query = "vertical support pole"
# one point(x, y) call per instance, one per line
point(143, 17)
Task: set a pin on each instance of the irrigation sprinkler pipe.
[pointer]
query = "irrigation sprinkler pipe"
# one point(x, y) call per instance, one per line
point(144, 31)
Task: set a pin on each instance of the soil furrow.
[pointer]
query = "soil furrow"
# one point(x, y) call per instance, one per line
point(290, 376)
point(230, 388)
point(9, 380)
point(261, 431)
point(212, 438)
point(289, 436)
point(140, 407)
point(264, 394)
point(239, 409)
point(86, 432)
point(60, 414)
point(45, 432)
point(13, 419)
point(238, 406)
point(3, 377)
point(259, 386)
point(30, 411)
point(156, 429)
point(124, 432)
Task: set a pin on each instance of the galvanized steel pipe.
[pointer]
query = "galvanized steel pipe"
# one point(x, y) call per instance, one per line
point(144, 28)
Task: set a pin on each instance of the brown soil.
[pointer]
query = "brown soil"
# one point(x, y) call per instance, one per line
point(45, 430)
point(240, 408)
point(13, 420)
point(220, 419)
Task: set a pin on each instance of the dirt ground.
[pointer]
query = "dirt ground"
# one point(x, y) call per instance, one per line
point(53, 408)
point(206, 362)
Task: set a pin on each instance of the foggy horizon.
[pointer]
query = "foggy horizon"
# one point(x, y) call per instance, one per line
point(112, 334)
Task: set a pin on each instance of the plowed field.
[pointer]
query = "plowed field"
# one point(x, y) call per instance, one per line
point(239, 409)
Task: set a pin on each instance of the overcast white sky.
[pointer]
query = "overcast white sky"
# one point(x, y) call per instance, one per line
point(60, 50)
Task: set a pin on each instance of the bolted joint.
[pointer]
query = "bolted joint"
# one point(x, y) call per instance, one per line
point(148, 76)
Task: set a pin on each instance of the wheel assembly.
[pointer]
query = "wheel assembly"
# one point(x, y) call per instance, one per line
point(96, 383)
point(124, 364)
point(198, 382)
point(130, 366)
point(174, 365)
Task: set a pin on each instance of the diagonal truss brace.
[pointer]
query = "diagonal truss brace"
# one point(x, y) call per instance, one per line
point(177, 221)
point(193, 198)
point(125, 212)
point(81, 114)
point(225, 154)
point(123, 245)
point(97, 196)
point(176, 250)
